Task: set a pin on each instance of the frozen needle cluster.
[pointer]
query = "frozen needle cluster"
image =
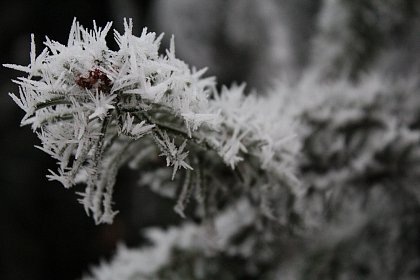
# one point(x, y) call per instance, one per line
point(94, 109)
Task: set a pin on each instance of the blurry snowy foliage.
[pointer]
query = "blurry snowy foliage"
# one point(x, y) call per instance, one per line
point(317, 179)
point(223, 34)
point(357, 215)
point(354, 35)
point(272, 39)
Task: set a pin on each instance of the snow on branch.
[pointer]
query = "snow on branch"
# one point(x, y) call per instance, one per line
point(94, 109)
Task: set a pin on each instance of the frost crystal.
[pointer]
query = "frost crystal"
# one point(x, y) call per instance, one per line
point(94, 109)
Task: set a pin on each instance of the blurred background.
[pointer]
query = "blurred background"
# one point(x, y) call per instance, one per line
point(44, 233)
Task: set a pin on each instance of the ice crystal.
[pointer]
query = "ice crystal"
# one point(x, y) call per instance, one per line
point(94, 109)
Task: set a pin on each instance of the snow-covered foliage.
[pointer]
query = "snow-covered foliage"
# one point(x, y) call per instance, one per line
point(95, 108)
point(174, 246)
point(360, 165)
point(351, 190)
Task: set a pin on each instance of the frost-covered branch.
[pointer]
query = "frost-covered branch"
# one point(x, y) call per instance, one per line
point(95, 108)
